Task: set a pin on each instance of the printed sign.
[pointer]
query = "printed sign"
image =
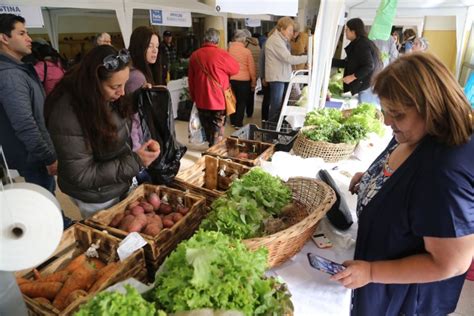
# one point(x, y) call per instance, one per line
point(170, 18)
point(253, 22)
point(32, 15)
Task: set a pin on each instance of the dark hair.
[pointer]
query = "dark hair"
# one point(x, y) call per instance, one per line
point(422, 81)
point(139, 42)
point(8, 21)
point(408, 33)
point(40, 52)
point(357, 25)
point(83, 85)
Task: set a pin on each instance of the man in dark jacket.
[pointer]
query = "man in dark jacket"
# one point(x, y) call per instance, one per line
point(168, 55)
point(23, 134)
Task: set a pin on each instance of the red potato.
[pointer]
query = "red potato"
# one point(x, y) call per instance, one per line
point(154, 200)
point(168, 223)
point(133, 204)
point(116, 220)
point(138, 224)
point(153, 218)
point(243, 156)
point(147, 207)
point(177, 217)
point(137, 210)
point(183, 210)
point(126, 221)
point(152, 229)
point(165, 208)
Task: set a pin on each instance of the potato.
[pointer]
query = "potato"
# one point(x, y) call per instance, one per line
point(152, 218)
point(165, 208)
point(243, 156)
point(116, 220)
point(177, 217)
point(138, 224)
point(154, 200)
point(152, 229)
point(147, 207)
point(168, 223)
point(183, 210)
point(126, 221)
point(137, 210)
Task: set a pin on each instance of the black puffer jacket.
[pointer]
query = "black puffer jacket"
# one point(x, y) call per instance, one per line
point(362, 61)
point(84, 174)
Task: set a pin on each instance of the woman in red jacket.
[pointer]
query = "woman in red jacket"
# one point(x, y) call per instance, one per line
point(208, 76)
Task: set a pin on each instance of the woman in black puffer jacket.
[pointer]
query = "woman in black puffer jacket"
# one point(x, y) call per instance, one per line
point(89, 126)
point(361, 63)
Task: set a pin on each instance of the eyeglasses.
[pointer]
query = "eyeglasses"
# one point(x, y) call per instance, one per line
point(112, 62)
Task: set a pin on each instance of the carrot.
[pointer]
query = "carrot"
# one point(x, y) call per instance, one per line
point(59, 276)
point(75, 263)
point(74, 296)
point(21, 281)
point(41, 289)
point(104, 274)
point(81, 279)
point(36, 274)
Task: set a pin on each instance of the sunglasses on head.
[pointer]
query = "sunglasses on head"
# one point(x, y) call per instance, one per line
point(112, 62)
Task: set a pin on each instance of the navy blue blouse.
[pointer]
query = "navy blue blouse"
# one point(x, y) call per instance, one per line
point(431, 194)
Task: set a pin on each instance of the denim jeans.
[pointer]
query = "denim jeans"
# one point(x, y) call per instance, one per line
point(368, 96)
point(277, 92)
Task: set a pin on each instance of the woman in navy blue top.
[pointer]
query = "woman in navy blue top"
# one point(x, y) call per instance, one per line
point(416, 201)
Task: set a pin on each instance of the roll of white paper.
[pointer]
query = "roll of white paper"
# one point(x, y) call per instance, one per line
point(31, 226)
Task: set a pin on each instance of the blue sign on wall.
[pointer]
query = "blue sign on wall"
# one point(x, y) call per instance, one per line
point(156, 16)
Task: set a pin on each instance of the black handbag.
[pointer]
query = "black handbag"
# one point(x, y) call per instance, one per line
point(154, 106)
point(339, 215)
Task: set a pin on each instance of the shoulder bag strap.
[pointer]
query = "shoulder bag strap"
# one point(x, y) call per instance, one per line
point(45, 71)
point(208, 74)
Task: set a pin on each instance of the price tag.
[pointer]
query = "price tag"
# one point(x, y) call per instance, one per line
point(128, 246)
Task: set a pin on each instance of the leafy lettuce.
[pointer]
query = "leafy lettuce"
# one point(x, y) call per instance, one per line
point(118, 304)
point(212, 270)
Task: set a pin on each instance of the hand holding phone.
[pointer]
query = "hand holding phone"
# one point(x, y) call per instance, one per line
point(324, 265)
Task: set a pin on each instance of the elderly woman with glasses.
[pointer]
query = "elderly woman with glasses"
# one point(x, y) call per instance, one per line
point(87, 120)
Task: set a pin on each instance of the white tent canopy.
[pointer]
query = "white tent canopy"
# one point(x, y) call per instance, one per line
point(123, 10)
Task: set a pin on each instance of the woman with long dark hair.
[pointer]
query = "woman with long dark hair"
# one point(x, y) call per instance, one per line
point(361, 62)
point(87, 120)
point(145, 72)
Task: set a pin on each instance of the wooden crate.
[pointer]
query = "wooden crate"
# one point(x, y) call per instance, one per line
point(159, 246)
point(205, 177)
point(75, 241)
point(230, 148)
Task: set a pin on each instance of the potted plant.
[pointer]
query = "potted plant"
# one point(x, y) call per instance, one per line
point(185, 105)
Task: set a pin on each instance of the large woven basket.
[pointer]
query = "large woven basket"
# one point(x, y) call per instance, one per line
point(317, 198)
point(330, 152)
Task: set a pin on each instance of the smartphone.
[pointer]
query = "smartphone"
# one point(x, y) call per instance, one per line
point(324, 265)
point(321, 240)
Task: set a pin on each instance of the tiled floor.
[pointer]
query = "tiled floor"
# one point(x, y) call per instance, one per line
point(466, 303)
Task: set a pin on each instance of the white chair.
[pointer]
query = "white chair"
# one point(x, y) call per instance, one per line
point(293, 113)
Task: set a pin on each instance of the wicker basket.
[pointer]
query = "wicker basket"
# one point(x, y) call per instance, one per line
point(74, 242)
point(318, 198)
point(205, 178)
point(330, 152)
point(159, 246)
point(230, 148)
